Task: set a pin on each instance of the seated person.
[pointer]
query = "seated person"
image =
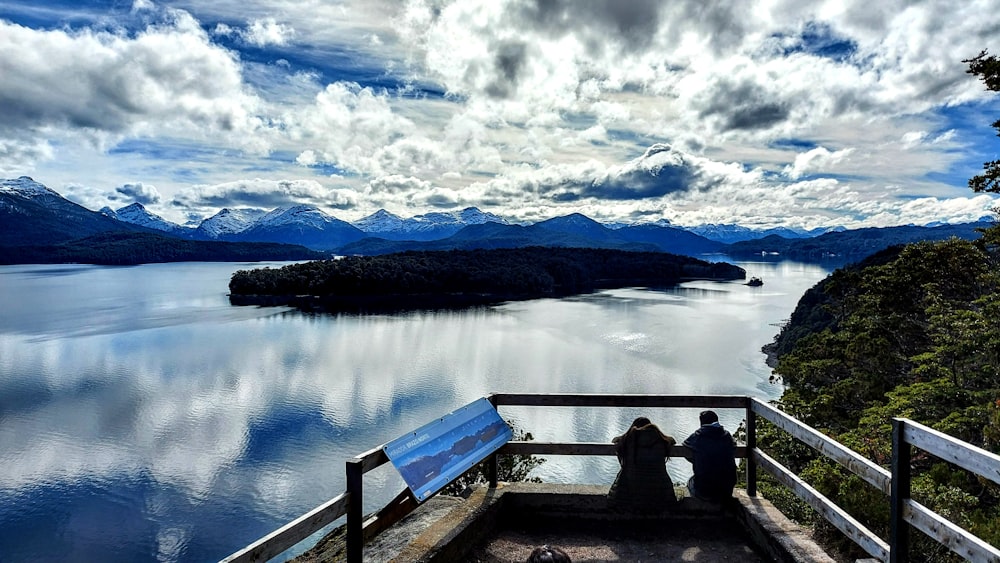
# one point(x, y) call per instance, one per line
point(713, 454)
point(642, 482)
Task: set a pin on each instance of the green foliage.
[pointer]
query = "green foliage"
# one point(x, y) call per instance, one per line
point(510, 468)
point(987, 68)
point(914, 333)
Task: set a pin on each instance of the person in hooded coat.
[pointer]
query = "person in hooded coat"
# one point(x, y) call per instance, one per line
point(642, 482)
point(713, 454)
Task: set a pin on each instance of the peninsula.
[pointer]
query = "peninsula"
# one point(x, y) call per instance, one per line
point(459, 278)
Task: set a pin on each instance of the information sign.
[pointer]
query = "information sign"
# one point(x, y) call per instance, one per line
point(431, 456)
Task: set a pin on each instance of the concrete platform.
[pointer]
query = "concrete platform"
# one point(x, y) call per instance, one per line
point(506, 523)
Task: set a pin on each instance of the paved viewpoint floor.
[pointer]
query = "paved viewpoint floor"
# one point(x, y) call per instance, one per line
point(505, 524)
point(697, 542)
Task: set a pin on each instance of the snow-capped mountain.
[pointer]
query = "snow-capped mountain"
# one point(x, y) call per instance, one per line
point(32, 214)
point(305, 215)
point(137, 214)
point(26, 187)
point(429, 226)
point(380, 222)
point(229, 222)
point(735, 233)
point(300, 224)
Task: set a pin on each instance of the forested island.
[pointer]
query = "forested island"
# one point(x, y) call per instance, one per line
point(910, 332)
point(456, 278)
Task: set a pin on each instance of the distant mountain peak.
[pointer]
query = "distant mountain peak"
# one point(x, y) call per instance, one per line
point(574, 220)
point(380, 221)
point(428, 226)
point(230, 221)
point(302, 214)
point(26, 186)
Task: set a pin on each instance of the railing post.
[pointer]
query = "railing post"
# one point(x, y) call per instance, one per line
point(492, 465)
point(751, 462)
point(355, 539)
point(899, 530)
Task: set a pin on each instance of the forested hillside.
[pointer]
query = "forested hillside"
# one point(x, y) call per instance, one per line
point(913, 332)
point(461, 277)
point(120, 249)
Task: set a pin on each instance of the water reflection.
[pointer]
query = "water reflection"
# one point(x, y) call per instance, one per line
point(142, 417)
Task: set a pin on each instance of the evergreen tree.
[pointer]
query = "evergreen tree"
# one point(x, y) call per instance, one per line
point(987, 68)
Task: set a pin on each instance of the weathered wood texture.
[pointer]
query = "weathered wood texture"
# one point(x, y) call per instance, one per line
point(964, 544)
point(843, 521)
point(601, 400)
point(860, 466)
point(373, 458)
point(394, 511)
point(962, 454)
point(292, 533)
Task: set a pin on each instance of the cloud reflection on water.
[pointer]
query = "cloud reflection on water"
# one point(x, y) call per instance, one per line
point(216, 429)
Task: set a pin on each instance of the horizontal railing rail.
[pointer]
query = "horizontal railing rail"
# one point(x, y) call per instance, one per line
point(852, 461)
point(907, 434)
point(292, 533)
point(895, 483)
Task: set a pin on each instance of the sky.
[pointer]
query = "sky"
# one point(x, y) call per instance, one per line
point(761, 113)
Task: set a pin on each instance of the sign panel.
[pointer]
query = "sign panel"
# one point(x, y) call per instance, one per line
point(431, 456)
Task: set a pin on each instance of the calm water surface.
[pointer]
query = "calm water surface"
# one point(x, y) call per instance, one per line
point(143, 418)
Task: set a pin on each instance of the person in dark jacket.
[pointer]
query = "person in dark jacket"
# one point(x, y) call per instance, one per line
point(712, 454)
point(643, 482)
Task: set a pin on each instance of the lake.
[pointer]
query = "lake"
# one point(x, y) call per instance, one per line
point(143, 418)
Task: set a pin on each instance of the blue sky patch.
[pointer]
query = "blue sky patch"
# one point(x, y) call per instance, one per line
point(820, 40)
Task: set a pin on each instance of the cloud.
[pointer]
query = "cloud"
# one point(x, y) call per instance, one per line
point(139, 193)
point(19, 154)
point(661, 171)
point(166, 75)
point(819, 159)
point(534, 108)
point(396, 183)
point(258, 32)
point(142, 6)
point(264, 193)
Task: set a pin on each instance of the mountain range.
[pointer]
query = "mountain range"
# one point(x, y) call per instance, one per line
point(34, 215)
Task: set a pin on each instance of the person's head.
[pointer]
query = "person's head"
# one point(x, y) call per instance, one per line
point(708, 417)
point(546, 554)
point(640, 422)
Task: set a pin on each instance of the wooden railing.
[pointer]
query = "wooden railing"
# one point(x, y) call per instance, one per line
point(894, 484)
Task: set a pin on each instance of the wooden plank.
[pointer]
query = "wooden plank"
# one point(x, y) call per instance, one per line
point(962, 454)
point(604, 400)
point(292, 533)
point(843, 521)
point(875, 475)
point(371, 459)
point(583, 448)
point(948, 534)
point(394, 511)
